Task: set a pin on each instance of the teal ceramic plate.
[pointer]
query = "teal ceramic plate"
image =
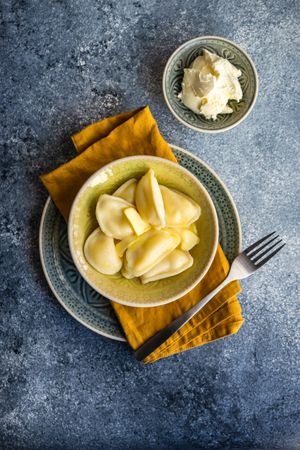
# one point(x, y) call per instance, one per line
point(183, 58)
point(76, 296)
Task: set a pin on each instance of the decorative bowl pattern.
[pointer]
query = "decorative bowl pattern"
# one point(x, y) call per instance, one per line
point(82, 222)
point(81, 301)
point(183, 58)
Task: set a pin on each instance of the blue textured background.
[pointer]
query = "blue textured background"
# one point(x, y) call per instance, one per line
point(67, 63)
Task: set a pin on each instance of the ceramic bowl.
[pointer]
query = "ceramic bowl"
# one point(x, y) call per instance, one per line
point(82, 222)
point(183, 58)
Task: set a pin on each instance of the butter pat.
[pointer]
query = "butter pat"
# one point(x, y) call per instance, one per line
point(208, 84)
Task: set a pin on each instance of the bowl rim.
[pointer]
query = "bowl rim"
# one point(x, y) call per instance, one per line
point(203, 130)
point(181, 293)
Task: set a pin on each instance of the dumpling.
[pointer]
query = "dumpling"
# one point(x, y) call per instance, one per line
point(139, 226)
point(111, 217)
point(148, 250)
point(123, 245)
point(100, 253)
point(148, 200)
point(193, 228)
point(180, 210)
point(127, 190)
point(126, 274)
point(173, 264)
point(188, 238)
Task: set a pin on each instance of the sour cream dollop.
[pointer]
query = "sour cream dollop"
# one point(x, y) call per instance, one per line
point(208, 84)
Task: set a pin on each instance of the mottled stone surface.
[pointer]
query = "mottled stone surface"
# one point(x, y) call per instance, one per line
point(64, 64)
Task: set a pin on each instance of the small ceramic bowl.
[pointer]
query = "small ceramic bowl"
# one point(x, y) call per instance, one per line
point(183, 58)
point(82, 222)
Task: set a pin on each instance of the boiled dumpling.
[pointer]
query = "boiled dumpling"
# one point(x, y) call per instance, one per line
point(180, 210)
point(138, 225)
point(100, 253)
point(176, 262)
point(123, 245)
point(188, 238)
point(111, 218)
point(126, 274)
point(148, 250)
point(149, 200)
point(127, 190)
point(193, 229)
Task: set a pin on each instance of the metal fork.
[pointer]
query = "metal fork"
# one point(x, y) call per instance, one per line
point(244, 265)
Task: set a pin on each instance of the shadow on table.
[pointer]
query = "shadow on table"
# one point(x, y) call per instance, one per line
point(155, 45)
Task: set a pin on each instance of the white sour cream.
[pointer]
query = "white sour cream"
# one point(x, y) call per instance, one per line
point(208, 84)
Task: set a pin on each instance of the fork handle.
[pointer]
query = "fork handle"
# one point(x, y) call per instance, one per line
point(161, 336)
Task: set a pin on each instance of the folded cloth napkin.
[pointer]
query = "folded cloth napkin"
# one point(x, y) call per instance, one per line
point(136, 133)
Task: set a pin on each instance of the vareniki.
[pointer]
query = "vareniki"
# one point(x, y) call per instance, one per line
point(145, 230)
point(180, 210)
point(111, 218)
point(149, 200)
point(177, 261)
point(127, 190)
point(149, 250)
point(100, 253)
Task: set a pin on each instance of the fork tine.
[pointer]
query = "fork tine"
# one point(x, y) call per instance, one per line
point(251, 247)
point(265, 252)
point(261, 263)
point(261, 247)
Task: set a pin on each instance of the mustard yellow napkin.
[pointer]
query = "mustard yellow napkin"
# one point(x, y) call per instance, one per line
point(136, 133)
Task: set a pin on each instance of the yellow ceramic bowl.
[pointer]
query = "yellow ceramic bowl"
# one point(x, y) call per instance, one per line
point(82, 222)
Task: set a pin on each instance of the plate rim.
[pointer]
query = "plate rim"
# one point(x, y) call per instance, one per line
point(53, 290)
point(204, 130)
point(57, 295)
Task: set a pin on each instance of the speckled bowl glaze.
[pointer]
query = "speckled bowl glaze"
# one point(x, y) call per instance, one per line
point(82, 222)
point(183, 58)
